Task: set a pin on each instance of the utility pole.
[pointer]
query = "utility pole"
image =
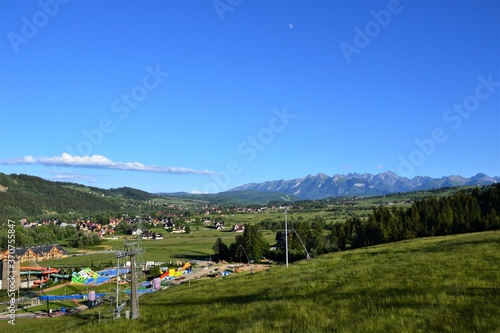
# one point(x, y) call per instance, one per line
point(286, 237)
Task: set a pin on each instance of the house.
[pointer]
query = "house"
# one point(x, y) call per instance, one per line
point(238, 228)
point(137, 232)
point(158, 235)
point(168, 224)
point(38, 253)
point(66, 224)
point(219, 225)
point(179, 230)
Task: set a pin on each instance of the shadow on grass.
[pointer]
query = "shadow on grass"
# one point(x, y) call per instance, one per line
point(201, 256)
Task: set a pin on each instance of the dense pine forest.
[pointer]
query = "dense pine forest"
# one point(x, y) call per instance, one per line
point(465, 211)
point(24, 196)
point(462, 212)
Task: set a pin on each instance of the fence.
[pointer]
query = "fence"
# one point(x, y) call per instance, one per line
point(113, 314)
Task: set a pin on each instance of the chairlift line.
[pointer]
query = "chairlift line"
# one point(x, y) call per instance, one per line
point(307, 253)
point(286, 237)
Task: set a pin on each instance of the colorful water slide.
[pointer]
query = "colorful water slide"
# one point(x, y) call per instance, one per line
point(50, 271)
point(59, 276)
point(38, 282)
point(33, 268)
point(37, 270)
point(30, 273)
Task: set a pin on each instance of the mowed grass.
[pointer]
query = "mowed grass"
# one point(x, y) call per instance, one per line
point(441, 284)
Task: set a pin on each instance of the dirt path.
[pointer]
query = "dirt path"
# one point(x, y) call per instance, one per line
point(57, 287)
point(214, 269)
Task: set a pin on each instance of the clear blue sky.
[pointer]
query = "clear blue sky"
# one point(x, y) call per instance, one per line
point(202, 96)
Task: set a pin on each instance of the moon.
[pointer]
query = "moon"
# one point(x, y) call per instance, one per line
point(290, 26)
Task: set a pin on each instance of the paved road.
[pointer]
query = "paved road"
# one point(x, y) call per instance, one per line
point(20, 315)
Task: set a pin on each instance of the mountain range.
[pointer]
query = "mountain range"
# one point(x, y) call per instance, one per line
point(353, 184)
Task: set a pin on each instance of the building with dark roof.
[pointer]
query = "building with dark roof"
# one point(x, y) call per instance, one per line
point(38, 253)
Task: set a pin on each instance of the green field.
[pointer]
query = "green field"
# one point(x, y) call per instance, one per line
point(172, 247)
point(439, 284)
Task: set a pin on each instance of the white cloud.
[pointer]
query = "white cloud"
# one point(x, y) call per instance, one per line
point(345, 167)
point(379, 167)
point(195, 191)
point(100, 162)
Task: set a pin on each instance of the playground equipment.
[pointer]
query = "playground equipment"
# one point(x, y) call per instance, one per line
point(173, 273)
point(83, 276)
point(87, 276)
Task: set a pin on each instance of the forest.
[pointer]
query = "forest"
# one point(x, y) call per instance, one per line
point(462, 212)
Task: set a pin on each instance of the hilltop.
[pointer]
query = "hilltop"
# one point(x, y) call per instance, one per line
point(23, 196)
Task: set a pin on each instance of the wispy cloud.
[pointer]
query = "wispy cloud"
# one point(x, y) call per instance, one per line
point(100, 162)
point(69, 177)
point(195, 191)
point(380, 166)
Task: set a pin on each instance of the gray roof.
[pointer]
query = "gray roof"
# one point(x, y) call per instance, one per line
point(39, 249)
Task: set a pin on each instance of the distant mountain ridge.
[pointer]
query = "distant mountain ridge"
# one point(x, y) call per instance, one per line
point(323, 186)
point(244, 197)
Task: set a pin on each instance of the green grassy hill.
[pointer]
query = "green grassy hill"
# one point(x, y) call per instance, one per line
point(123, 192)
point(439, 284)
point(25, 196)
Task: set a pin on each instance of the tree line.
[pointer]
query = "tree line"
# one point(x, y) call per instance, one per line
point(462, 212)
point(49, 234)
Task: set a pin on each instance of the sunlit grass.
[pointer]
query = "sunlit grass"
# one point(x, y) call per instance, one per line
point(441, 284)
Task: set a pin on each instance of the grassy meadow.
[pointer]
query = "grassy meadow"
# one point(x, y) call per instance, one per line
point(439, 284)
point(172, 247)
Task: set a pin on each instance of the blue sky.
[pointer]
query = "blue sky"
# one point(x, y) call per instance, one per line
point(203, 96)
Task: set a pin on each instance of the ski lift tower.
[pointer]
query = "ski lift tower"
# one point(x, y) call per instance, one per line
point(131, 251)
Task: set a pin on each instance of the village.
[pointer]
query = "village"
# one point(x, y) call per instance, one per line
point(25, 268)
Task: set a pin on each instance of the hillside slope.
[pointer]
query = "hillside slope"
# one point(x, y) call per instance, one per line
point(22, 196)
point(439, 284)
